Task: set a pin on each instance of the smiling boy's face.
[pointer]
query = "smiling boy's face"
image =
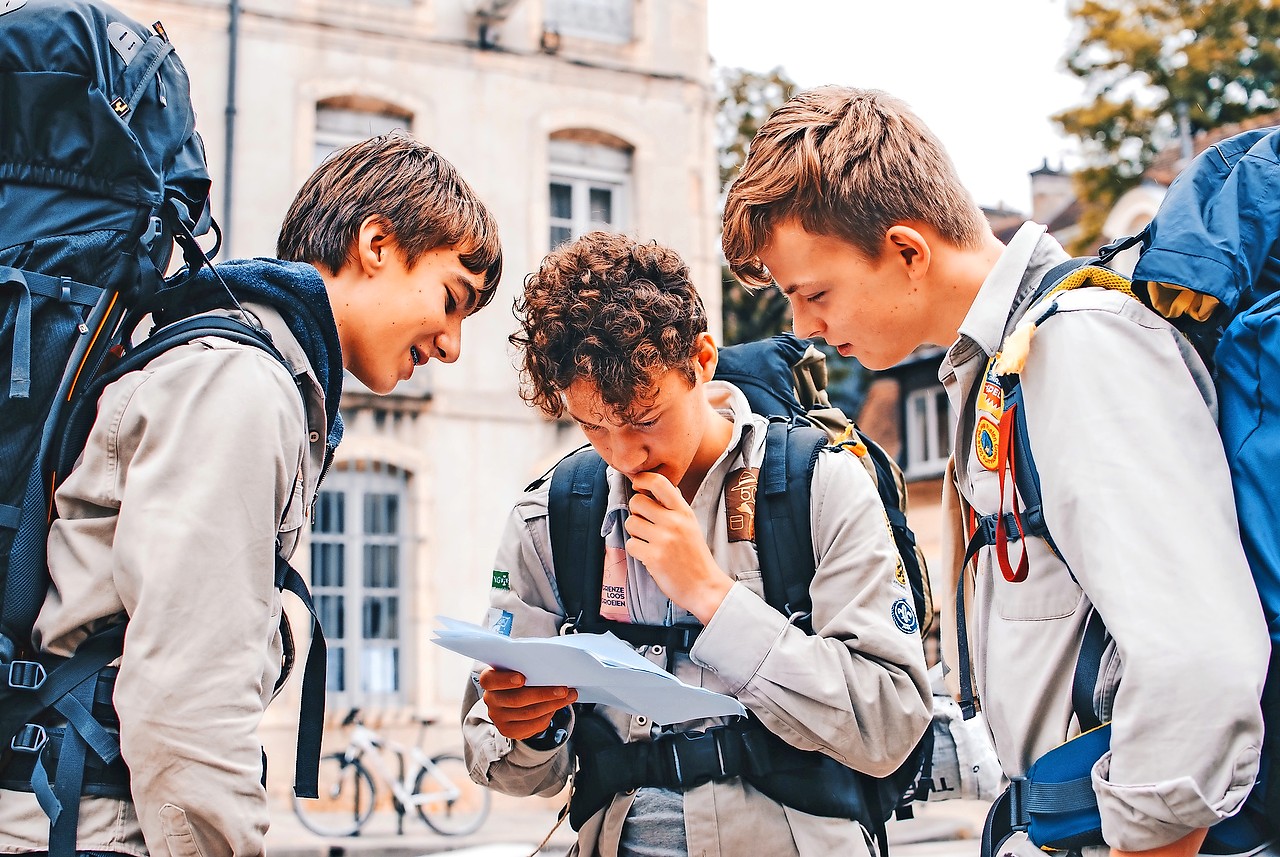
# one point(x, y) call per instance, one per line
point(399, 317)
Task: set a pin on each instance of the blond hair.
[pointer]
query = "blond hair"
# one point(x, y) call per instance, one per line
point(846, 163)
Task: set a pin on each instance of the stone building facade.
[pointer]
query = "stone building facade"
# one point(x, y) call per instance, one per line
point(563, 115)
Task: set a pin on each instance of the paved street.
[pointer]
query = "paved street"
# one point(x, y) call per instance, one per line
point(516, 826)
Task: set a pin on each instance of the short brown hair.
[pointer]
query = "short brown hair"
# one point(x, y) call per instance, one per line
point(846, 163)
point(418, 194)
point(610, 310)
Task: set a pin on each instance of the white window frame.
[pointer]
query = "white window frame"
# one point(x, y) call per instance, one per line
point(931, 460)
point(581, 19)
point(579, 166)
point(363, 659)
point(351, 126)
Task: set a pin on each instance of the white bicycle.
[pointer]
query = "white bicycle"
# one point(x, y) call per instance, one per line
point(438, 787)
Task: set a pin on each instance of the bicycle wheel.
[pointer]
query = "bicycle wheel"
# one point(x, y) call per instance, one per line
point(345, 802)
point(460, 814)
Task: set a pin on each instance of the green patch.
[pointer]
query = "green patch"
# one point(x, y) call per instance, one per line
point(501, 579)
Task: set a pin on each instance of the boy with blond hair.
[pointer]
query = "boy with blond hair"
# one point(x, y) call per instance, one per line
point(850, 205)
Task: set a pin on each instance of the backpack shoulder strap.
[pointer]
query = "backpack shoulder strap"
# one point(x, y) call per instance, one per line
point(784, 533)
point(575, 508)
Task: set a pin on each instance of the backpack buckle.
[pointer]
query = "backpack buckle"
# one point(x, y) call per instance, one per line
point(697, 758)
point(26, 675)
point(31, 738)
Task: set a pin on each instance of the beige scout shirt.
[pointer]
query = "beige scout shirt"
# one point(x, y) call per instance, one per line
point(171, 519)
point(1121, 417)
point(856, 690)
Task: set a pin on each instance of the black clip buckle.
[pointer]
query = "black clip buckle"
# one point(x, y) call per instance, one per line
point(26, 675)
point(697, 758)
point(31, 738)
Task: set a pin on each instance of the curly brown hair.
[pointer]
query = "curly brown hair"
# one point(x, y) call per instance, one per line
point(610, 310)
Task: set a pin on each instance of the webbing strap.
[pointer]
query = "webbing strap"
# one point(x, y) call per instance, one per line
point(20, 361)
point(784, 534)
point(70, 781)
point(10, 516)
point(576, 504)
point(1088, 666)
point(311, 711)
point(144, 79)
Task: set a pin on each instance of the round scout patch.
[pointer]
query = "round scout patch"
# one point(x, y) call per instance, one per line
point(986, 442)
point(904, 616)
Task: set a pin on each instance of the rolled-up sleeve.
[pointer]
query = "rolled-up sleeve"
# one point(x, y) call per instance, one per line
point(1138, 498)
point(855, 689)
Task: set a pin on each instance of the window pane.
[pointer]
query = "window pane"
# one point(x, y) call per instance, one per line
point(327, 564)
point(601, 205)
point(380, 670)
point(330, 610)
point(561, 201)
point(336, 674)
point(559, 235)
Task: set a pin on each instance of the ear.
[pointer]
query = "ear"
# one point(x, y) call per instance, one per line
point(374, 244)
point(909, 248)
point(706, 357)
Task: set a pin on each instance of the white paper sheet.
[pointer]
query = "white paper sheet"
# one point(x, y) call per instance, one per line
point(602, 668)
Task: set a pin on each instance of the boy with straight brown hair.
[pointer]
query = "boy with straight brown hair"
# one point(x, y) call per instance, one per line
point(850, 205)
point(195, 484)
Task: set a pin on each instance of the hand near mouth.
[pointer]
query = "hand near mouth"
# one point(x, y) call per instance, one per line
point(665, 535)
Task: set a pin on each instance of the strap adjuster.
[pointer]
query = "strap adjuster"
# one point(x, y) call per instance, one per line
point(31, 738)
point(26, 675)
point(1019, 818)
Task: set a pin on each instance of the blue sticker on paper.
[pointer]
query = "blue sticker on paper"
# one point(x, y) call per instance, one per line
point(500, 621)
point(904, 616)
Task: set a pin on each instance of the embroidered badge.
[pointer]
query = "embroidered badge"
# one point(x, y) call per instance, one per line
point(986, 442)
point(500, 621)
point(501, 579)
point(905, 617)
point(900, 575)
point(740, 503)
point(991, 399)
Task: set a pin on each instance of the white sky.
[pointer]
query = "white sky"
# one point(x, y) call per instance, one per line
point(985, 75)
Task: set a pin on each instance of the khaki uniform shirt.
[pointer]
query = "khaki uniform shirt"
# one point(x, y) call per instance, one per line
point(194, 466)
point(1136, 494)
point(855, 690)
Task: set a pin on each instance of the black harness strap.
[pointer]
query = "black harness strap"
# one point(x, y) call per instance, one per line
point(578, 497)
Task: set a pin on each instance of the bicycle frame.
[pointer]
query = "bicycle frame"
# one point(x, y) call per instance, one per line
point(367, 746)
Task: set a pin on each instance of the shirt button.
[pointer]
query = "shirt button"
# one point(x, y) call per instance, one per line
point(641, 720)
point(657, 650)
point(314, 436)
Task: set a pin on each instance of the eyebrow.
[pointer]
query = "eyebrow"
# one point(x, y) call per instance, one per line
point(791, 288)
point(468, 288)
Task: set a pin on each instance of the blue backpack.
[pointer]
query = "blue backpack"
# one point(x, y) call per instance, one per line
point(101, 172)
point(1210, 263)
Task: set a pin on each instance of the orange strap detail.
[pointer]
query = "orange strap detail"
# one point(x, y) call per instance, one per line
point(1005, 465)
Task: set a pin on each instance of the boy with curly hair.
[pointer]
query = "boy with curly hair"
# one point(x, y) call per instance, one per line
point(614, 335)
point(851, 206)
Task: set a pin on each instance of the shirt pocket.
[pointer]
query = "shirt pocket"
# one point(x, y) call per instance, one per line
point(1048, 592)
point(295, 515)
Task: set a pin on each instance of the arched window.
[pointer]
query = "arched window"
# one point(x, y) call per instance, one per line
point(348, 119)
point(360, 552)
point(590, 180)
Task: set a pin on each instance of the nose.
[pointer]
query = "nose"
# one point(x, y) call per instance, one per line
point(448, 344)
point(805, 324)
point(626, 454)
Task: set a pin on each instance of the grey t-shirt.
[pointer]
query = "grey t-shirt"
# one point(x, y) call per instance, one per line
point(655, 825)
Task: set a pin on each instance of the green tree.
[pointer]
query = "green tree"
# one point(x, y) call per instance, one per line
point(745, 99)
point(1156, 69)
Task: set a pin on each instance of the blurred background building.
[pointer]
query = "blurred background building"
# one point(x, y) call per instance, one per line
point(564, 116)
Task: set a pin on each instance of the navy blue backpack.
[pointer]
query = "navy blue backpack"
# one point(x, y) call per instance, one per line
point(1210, 263)
point(101, 172)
